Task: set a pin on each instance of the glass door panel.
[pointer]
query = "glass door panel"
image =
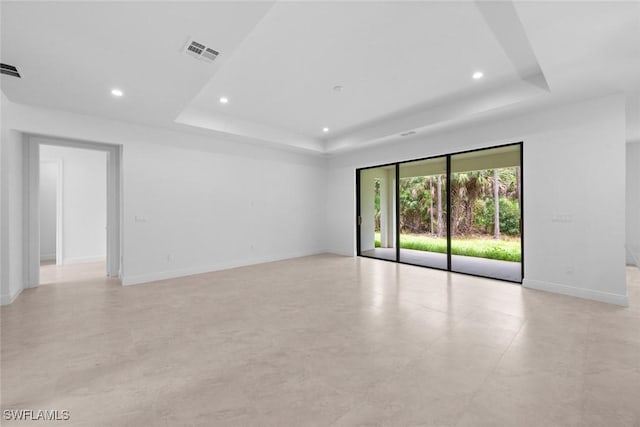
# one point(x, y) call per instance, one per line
point(423, 212)
point(377, 212)
point(485, 213)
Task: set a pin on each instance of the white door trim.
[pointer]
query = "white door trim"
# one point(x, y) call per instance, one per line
point(60, 213)
point(31, 207)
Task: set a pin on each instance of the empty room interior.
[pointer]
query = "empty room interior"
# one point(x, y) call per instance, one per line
point(292, 213)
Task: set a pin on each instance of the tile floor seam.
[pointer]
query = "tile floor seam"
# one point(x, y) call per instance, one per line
point(407, 342)
point(491, 372)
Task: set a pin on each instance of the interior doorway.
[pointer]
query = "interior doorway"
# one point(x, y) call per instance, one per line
point(73, 201)
point(73, 214)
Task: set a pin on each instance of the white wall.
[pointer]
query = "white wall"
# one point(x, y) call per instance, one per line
point(84, 203)
point(206, 210)
point(574, 163)
point(11, 271)
point(633, 204)
point(341, 209)
point(48, 189)
point(202, 202)
point(214, 203)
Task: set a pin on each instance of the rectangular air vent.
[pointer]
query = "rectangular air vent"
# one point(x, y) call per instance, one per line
point(200, 51)
point(9, 70)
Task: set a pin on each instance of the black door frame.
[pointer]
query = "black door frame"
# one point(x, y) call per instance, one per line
point(448, 156)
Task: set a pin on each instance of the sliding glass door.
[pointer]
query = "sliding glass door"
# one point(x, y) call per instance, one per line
point(423, 212)
point(485, 213)
point(460, 212)
point(377, 212)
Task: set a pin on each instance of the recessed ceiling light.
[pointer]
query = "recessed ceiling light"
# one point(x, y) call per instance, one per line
point(117, 92)
point(477, 75)
point(325, 130)
point(224, 100)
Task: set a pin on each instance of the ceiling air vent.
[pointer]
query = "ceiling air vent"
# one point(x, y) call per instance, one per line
point(200, 51)
point(9, 70)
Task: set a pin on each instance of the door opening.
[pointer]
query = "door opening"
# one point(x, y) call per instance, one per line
point(72, 199)
point(73, 212)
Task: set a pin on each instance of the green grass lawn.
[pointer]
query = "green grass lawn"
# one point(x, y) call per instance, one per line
point(505, 250)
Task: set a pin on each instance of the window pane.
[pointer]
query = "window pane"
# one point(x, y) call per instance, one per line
point(377, 212)
point(485, 213)
point(423, 212)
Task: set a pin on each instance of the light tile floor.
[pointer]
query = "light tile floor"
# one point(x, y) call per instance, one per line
point(50, 273)
point(324, 341)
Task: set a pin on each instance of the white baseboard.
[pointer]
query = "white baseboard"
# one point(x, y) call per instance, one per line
point(82, 260)
point(48, 257)
point(341, 253)
point(172, 274)
point(6, 299)
point(576, 292)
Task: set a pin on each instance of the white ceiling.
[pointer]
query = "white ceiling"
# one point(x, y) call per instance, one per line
point(71, 54)
point(403, 65)
point(381, 53)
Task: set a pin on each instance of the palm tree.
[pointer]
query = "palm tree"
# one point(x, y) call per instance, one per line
point(431, 204)
point(440, 220)
point(496, 205)
point(518, 184)
point(466, 188)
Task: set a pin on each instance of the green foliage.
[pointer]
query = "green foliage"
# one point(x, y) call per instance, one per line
point(430, 244)
point(491, 249)
point(509, 216)
point(472, 206)
point(482, 218)
point(415, 203)
point(503, 250)
point(376, 203)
